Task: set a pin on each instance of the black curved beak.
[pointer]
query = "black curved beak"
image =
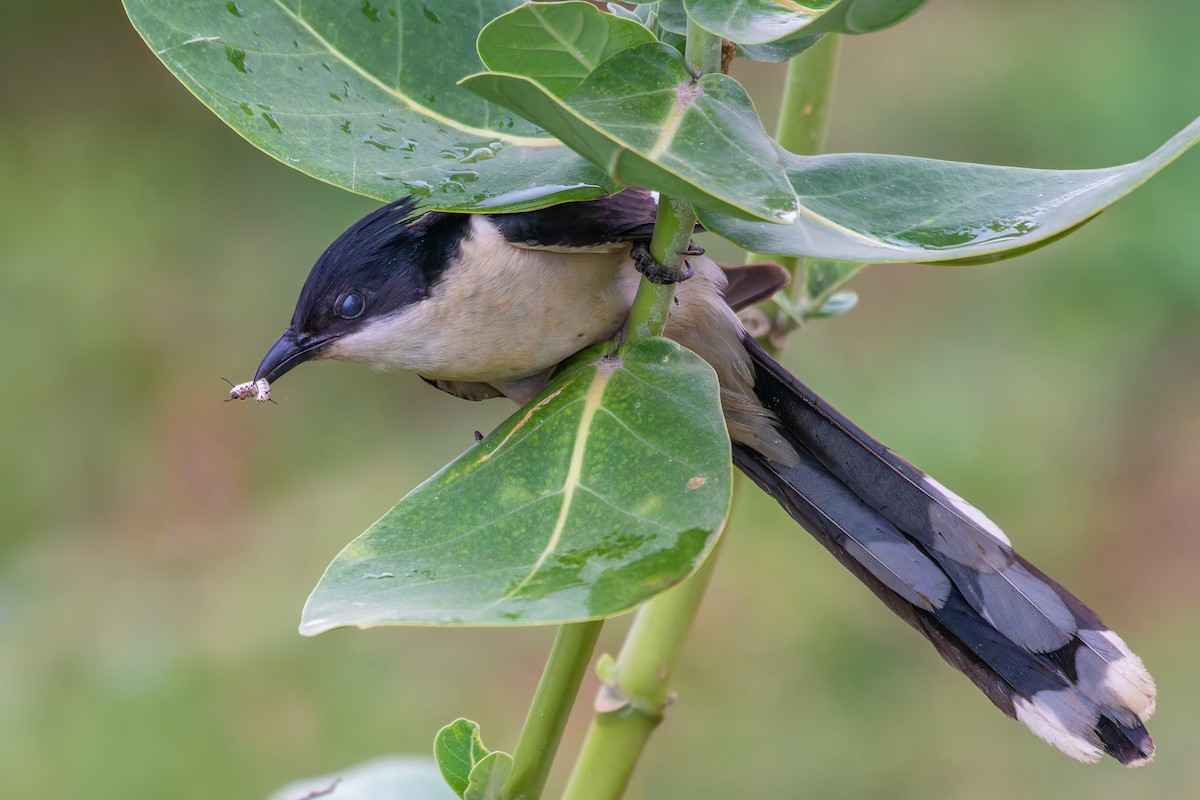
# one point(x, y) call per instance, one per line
point(289, 351)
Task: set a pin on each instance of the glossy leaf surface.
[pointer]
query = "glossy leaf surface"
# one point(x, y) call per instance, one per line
point(608, 489)
point(557, 44)
point(411, 778)
point(643, 118)
point(754, 22)
point(365, 96)
point(878, 208)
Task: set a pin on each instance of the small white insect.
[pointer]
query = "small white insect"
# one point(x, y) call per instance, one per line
point(260, 390)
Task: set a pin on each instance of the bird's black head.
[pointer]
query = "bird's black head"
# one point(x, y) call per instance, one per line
point(386, 261)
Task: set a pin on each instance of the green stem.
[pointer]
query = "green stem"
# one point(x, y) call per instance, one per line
point(676, 220)
point(652, 304)
point(556, 692)
point(703, 49)
point(804, 112)
point(636, 698)
point(634, 702)
point(802, 127)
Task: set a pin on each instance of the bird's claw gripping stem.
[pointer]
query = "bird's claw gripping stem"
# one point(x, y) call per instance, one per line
point(657, 272)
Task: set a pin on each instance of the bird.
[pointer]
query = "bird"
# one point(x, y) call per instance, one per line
point(487, 305)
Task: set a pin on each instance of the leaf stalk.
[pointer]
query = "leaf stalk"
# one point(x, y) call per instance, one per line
point(631, 705)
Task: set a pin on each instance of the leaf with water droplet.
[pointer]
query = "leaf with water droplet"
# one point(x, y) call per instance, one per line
point(237, 57)
point(553, 517)
point(644, 118)
point(557, 44)
point(362, 65)
point(880, 208)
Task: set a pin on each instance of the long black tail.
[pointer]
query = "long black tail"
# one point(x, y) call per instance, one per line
point(1035, 650)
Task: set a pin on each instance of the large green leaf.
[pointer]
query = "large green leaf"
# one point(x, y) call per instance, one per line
point(848, 16)
point(753, 22)
point(557, 44)
point(364, 95)
point(383, 779)
point(873, 208)
point(644, 118)
point(608, 489)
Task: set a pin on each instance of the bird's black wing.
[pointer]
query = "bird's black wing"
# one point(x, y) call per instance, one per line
point(625, 217)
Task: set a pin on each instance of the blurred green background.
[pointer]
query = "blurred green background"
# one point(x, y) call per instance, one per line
point(157, 544)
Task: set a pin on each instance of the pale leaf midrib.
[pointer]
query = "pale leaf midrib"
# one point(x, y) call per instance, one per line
point(524, 141)
point(592, 403)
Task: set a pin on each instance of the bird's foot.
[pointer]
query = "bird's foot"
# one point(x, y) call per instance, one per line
point(657, 272)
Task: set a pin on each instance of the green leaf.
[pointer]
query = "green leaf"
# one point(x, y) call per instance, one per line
point(823, 278)
point(837, 304)
point(754, 22)
point(672, 16)
point(618, 10)
point(774, 52)
point(365, 96)
point(409, 778)
point(863, 16)
point(489, 776)
point(458, 748)
point(849, 16)
point(608, 489)
point(643, 117)
point(878, 208)
point(556, 44)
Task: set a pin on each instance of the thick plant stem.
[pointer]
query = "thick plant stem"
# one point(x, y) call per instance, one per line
point(703, 49)
point(804, 110)
point(652, 304)
point(542, 732)
point(631, 705)
point(632, 702)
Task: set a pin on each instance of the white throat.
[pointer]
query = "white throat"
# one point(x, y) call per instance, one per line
point(501, 313)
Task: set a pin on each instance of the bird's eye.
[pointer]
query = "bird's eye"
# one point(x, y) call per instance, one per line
point(350, 305)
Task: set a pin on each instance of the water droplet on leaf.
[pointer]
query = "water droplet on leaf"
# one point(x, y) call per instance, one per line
point(371, 140)
point(237, 57)
point(420, 188)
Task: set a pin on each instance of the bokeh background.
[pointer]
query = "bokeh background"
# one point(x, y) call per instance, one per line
point(156, 544)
